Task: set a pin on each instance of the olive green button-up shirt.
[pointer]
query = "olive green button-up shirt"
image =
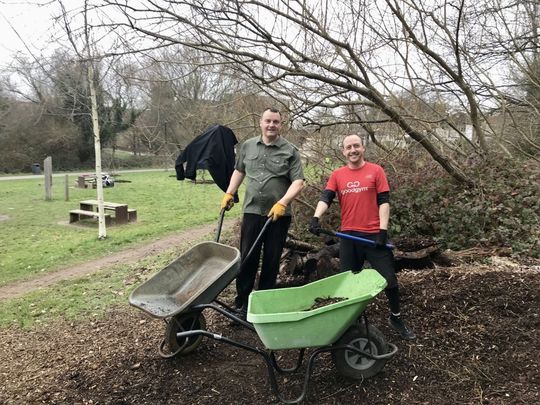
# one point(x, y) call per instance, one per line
point(269, 170)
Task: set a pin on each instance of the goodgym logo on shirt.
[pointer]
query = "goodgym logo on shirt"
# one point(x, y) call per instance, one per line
point(353, 187)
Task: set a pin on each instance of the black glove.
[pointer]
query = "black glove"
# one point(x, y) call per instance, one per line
point(314, 226)
point(382, 238)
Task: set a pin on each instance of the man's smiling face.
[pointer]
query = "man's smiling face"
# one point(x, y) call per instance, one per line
point(270, 124)
point(353, 150)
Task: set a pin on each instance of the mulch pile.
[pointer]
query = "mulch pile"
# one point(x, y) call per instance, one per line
point(324, 301)
point(478, 342)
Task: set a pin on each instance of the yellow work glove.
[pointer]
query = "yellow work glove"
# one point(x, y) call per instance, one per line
point(227, 202)
point(277, 211)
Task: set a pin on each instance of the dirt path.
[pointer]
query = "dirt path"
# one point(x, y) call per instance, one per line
point(128, 256)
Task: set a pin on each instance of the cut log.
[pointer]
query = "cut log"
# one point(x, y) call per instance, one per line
point(419, 254)
point(302, 262)
point(327, 266)
point(292, 265)
point(299, 245)
point(476, 252)
point(419, 259)
point(319, 263)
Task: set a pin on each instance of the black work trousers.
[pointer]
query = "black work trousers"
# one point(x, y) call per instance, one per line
point(271, 245)
point(352, 255)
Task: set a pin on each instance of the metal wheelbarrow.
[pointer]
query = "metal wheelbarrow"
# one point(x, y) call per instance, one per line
point(176, 293)
point(196, 277)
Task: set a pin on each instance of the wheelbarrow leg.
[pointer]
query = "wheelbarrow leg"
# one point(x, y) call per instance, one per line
point(267, 359)
point(281, 370)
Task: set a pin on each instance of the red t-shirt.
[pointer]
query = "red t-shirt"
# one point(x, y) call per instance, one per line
point(357, 191)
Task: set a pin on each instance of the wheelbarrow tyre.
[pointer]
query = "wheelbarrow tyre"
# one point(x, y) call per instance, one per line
point(354, 365)
point(184, 323)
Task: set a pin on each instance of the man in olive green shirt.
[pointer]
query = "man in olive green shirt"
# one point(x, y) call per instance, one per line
point(275, 177)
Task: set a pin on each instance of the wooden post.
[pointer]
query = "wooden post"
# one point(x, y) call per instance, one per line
point(66, 187)
point(47, 166)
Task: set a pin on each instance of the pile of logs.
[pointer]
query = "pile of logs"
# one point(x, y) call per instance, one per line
point(304, 262)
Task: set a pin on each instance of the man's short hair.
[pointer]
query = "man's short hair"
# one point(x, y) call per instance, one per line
point(346, 136)
point(272, 109)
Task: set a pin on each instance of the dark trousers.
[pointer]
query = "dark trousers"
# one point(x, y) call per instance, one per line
point(271, 245)
point(352, 255)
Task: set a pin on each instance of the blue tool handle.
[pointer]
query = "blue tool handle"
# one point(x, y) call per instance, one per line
point(356, 238)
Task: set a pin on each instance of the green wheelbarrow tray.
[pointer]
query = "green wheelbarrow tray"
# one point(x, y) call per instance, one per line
point(283, 319)
point(196, 277)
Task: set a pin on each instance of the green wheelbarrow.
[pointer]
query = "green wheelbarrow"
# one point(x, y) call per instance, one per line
point(287, 318)
point(291, 318)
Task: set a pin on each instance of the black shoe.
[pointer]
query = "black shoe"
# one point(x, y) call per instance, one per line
point(399, 325)
point(238, 303)
point(242, 314)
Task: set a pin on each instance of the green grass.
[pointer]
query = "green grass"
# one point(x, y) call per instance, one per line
point(88, 296)
point(36, 238)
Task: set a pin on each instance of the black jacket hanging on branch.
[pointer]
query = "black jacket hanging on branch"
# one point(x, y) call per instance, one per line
point(213, 150)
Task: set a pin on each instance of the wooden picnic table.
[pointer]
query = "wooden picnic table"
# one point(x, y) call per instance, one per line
point(121, 212)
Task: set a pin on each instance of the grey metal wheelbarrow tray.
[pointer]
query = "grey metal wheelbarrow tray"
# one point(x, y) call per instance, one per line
point(196, 277)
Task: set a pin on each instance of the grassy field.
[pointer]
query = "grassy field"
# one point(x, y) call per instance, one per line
point(88, 296)
point(36, 237)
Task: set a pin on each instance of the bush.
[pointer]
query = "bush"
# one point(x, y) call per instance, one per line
point(503, 209)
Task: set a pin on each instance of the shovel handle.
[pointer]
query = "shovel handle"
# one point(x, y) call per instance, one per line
point(354, 238)
point(220, 224)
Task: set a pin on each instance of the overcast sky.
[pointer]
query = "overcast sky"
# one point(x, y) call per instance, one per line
point(25, 22)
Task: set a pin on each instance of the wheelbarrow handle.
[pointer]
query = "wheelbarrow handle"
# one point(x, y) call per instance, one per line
point(266, 224)
point(354, 238)
point(220, 224)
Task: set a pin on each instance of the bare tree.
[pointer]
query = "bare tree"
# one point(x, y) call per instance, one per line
point(84, 45)
point(57, 87)
point(349, 56)
point(513, 38)
point(184, 91)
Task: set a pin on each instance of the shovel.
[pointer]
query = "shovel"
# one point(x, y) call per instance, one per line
point(354, 238)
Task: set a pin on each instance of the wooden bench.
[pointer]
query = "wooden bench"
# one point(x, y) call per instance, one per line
point(76, 215)
point(132, 215)
point(85, 180)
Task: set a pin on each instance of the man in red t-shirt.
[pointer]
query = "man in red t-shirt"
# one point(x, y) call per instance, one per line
point(363, 194)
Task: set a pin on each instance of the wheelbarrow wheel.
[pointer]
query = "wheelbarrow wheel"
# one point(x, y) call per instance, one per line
point(354, 365)
point(184, 323)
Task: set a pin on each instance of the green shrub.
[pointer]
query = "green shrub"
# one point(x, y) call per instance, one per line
point(502, 209)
